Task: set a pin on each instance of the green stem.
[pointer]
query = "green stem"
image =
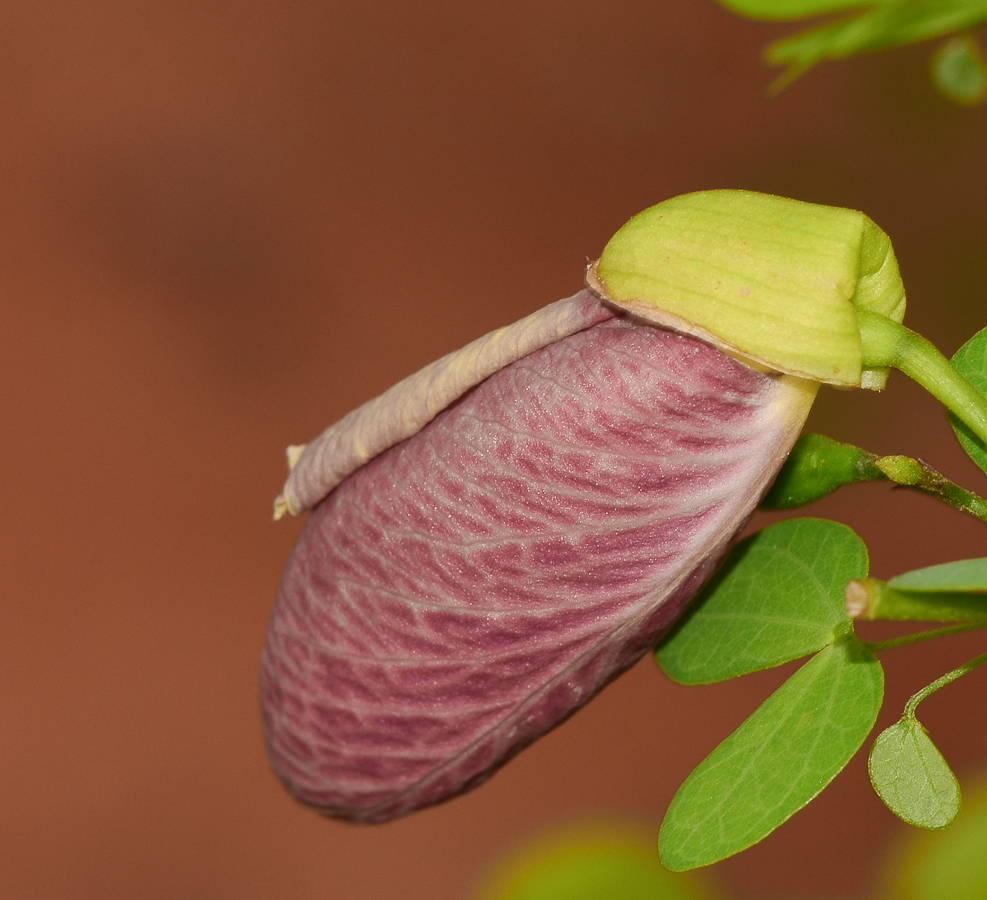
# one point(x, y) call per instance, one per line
point(949, 677)
point(920, 476)
point(886, 343)
point(919, 636)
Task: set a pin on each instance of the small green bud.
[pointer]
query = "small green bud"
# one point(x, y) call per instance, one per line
point(817, 466)
point(774, 282)
point(901, 469)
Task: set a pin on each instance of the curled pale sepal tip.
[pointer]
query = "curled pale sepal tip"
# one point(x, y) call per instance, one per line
point(403, 410)
point(285, 503)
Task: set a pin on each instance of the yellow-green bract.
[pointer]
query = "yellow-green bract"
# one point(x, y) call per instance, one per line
point(772, 281)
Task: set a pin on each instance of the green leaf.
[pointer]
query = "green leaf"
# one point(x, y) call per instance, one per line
point(968, 575)
point(779, 595)
point(911, 776)
point(971, 362)
point(793, 745)
point(817, 466)
point(958, 72)
point(589, 863)
point(885, 25)
point(786, 10)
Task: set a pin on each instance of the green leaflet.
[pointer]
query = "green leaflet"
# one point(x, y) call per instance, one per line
point(962, 575)
point(911, 776)
point(779, 595)
point(971, 362)
point(908, 772)
point(793, 745)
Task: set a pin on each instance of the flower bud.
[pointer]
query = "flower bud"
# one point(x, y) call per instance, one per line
point(498, 536)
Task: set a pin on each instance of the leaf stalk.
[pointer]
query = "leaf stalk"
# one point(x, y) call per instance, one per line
point(948, 678)
point(886, 343)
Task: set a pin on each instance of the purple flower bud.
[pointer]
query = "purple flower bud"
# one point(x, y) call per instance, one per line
point(495, 539)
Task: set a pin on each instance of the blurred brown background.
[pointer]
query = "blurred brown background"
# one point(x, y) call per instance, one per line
point(224, 225)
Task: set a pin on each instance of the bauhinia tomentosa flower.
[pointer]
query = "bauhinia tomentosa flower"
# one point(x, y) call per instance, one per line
point(498, 536)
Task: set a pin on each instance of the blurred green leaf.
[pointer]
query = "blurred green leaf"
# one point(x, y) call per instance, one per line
point(944, 865)
point(817, 466)
point(958, 72)
point(589, 864)
point(971, 362)
point(884, 25)
point(968, 575)
point(786, 10)
point(779, 595)
point(793, 745)
point(911, 776)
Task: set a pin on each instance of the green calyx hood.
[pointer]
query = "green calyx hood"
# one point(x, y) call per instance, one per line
point(775, 282)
